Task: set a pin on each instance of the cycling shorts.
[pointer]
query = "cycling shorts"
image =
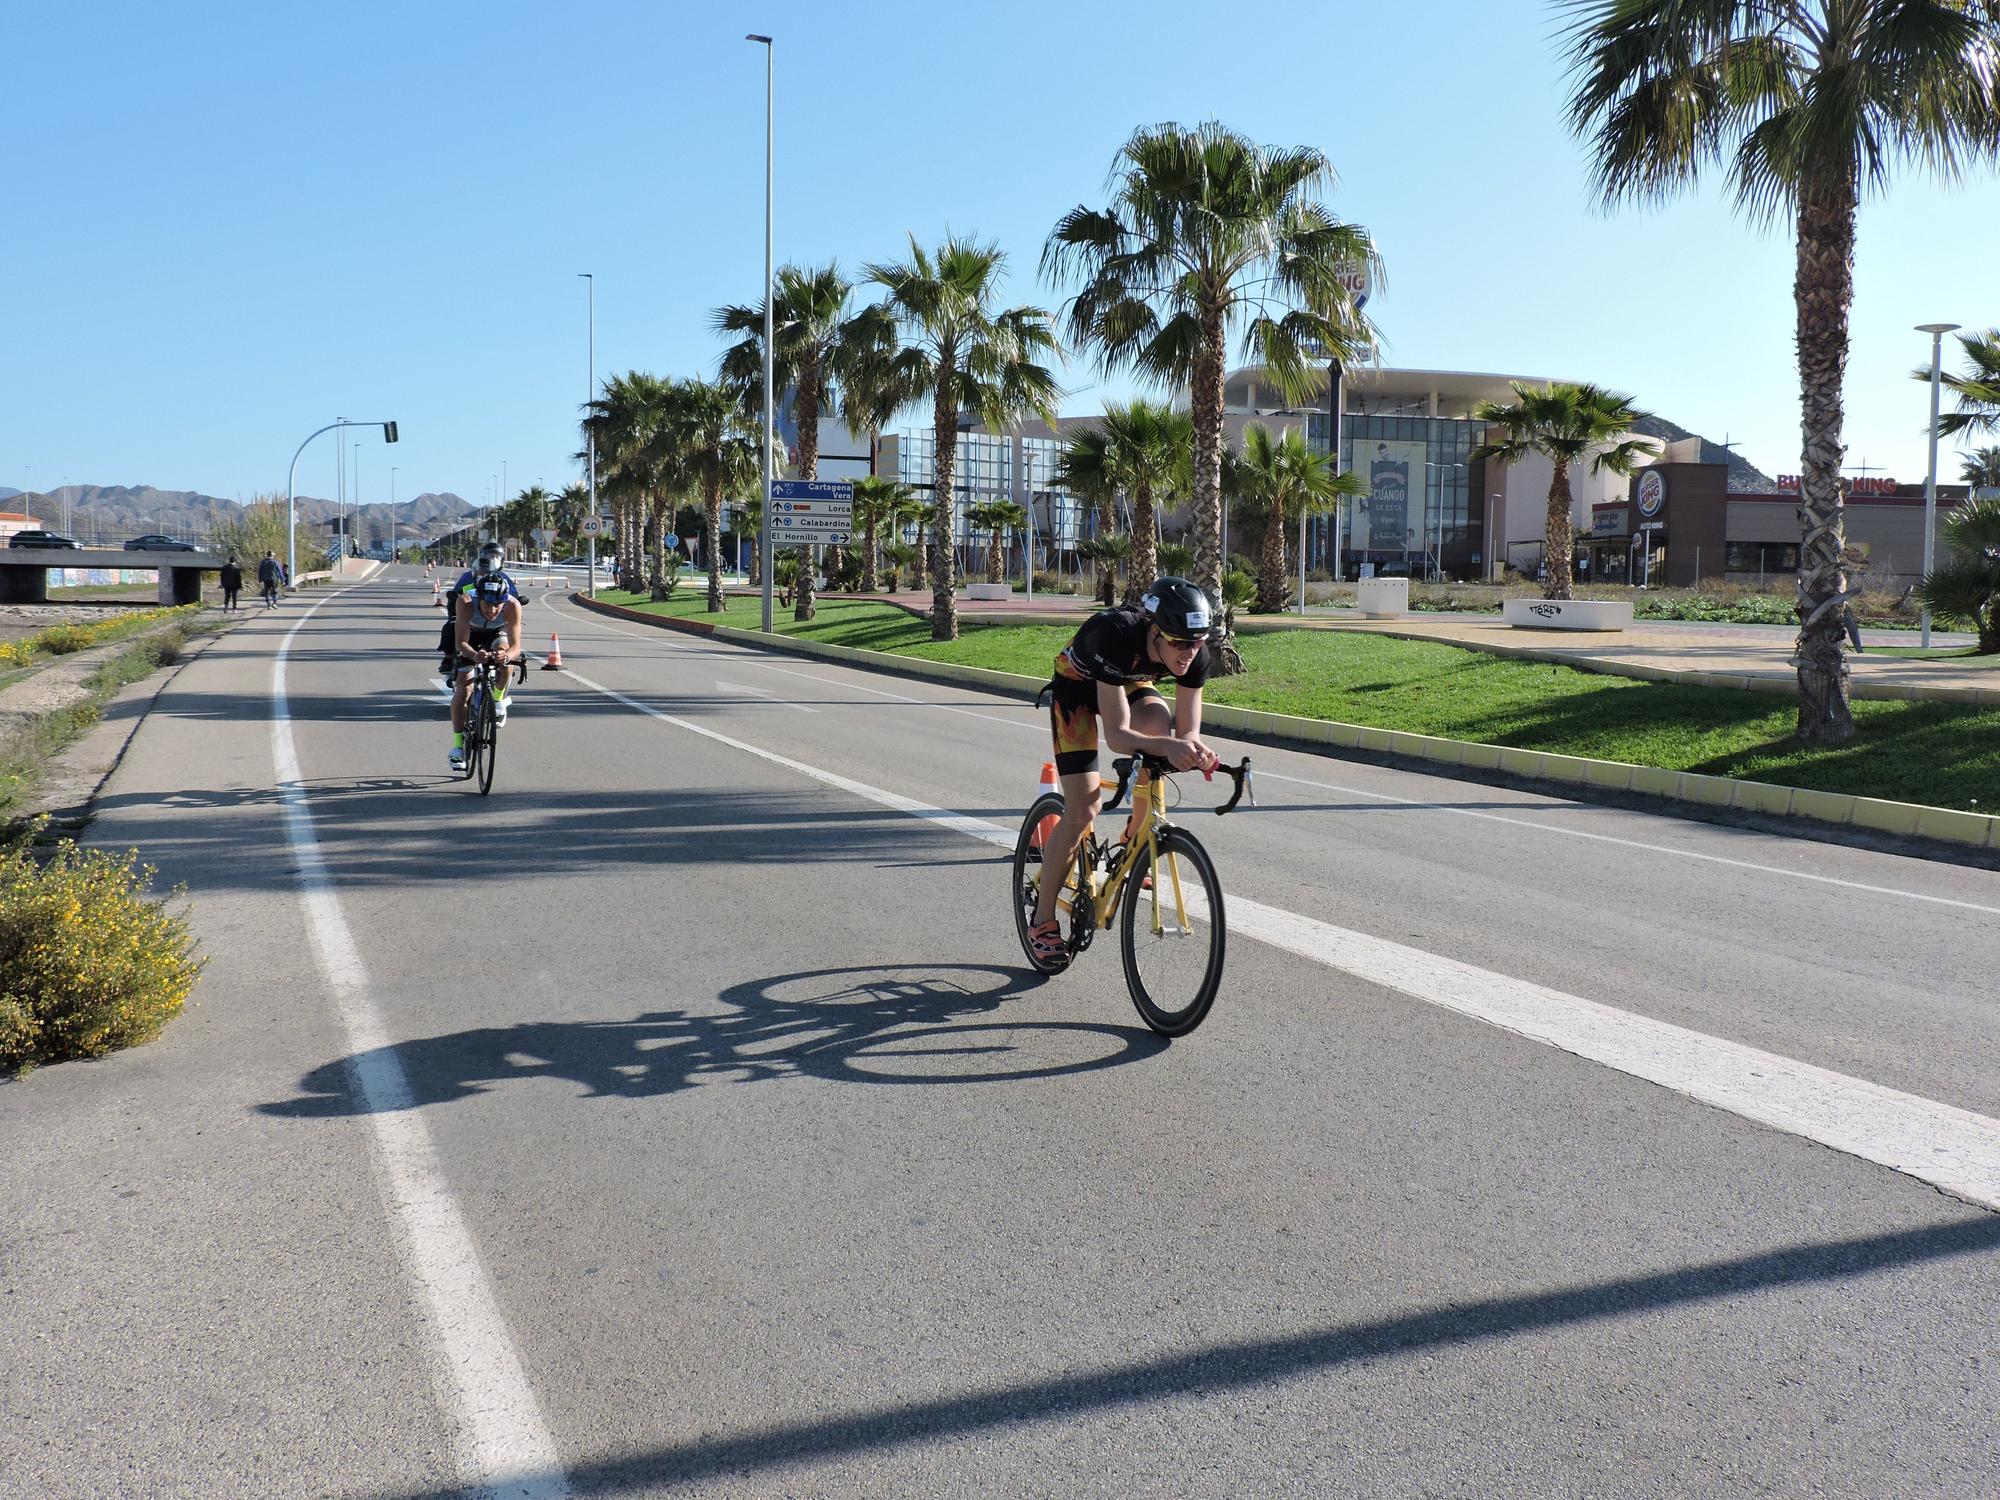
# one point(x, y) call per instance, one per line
point(1073, 720)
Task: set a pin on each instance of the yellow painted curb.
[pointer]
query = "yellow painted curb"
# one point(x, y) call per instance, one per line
point(1759, 796)
point(1656, 782)
point(1828, 807)
point(1899, 817)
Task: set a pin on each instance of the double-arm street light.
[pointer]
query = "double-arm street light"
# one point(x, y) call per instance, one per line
point(770, 425)
point(1937, 331)
point(590, 395)
point(291, 486)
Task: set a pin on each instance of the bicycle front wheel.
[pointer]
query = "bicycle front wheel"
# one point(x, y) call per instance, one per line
point(1174, 933)
point(472, 712)
point(489, 743)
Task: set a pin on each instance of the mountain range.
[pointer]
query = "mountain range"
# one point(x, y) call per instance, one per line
point(115, 511)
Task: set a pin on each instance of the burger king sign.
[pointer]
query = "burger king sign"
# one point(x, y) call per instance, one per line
point(1651, 493)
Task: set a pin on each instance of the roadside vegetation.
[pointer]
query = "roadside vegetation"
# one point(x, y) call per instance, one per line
point(1938, 754)
point(90, 960)
point(62, 640)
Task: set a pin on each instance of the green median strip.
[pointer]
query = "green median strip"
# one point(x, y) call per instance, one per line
point(1940, 755)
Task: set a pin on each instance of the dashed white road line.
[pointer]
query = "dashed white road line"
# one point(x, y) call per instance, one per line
point(502, 1443)
point(1953, 1149)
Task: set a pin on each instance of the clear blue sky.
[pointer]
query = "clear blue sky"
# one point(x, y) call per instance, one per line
point(228, 224)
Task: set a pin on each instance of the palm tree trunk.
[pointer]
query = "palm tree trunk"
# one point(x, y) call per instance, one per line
point(1107, 581)
point(1206, 413)
point(805, 412)
point(870, 578)
point(944, 474)
point(1271, 561)
point(1824, 291)
point(660, 504)
point(1559, 536)
point(993, 557)
point(1144, 564)
point(713, 507)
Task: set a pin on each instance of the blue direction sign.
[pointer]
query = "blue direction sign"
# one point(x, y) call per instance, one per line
point(840, 491)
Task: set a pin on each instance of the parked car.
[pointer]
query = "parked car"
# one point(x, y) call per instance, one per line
point(42, 539)
point(154, 542)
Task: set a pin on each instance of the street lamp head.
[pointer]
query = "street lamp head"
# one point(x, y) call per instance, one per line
point(1937, 328)
point(753, 37)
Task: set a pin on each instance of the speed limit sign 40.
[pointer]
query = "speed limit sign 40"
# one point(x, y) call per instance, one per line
point(592, 526)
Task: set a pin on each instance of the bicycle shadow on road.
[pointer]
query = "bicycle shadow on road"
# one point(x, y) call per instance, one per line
point(907, 1024)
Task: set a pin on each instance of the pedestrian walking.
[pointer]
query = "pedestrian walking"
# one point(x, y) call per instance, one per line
point(268, 573)
point(232, 585)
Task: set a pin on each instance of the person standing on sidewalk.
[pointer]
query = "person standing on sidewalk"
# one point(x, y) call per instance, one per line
point(267, 579)
point(232, 585)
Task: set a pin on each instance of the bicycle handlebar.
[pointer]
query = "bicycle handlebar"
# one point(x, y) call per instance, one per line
point(1159, 766)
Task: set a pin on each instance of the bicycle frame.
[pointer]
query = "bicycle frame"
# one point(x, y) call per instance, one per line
point(1145, 839)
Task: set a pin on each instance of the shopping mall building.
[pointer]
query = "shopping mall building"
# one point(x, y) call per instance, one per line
point(1431, 508)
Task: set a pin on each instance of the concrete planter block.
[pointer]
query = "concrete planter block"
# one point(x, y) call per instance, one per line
point(1383, 598)
point(1824, 807)
point(1567, 614)
point(989, 591)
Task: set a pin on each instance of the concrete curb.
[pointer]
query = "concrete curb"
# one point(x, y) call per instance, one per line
point(1978, 830)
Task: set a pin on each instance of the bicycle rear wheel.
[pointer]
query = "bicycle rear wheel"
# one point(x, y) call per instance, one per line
point(1174, 934)
point(489, 742)
point(1028, 874)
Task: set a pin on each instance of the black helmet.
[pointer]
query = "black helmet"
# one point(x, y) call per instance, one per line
point(1181, 610)
point(491, 588)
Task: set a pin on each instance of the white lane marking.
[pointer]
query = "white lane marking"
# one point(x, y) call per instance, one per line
point(757, 692)
point(1624, 843)
point(1037, 726)
point(1952, 1149)
point(502, 1442)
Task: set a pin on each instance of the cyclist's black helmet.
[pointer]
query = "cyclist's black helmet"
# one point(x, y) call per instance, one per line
point(1181, 610)
point(492, 588)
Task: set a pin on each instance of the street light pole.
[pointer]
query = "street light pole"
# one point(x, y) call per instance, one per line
point(389, 435)
point(590, 395)
point(770, 424)
point(392, 512)
point(1937, 331)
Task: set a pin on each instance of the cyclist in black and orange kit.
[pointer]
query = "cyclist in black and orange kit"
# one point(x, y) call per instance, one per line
point(1107, 671)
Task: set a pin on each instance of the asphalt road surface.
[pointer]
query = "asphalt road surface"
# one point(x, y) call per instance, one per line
point(683, 1120)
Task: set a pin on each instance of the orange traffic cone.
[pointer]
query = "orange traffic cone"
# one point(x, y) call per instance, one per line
point(437, 593)
point(553, 661)
point(1048, 825)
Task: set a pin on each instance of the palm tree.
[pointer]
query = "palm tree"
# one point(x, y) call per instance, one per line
point(993, 518)
point(1806, 101)
point(1966, 586)
point(878, 501)
point(750, 526)
point(1149, 448)
point(1565, 423)
point(815, 345)
point(1281, 477)
point(899, 555)
point(968, 357)
point(624, 420)
point(1211, 238)
point(1109, 550)
point(716, 450)
point(1980, 468)
point(1978, 389)
point(1086, 469)
point(571, 506)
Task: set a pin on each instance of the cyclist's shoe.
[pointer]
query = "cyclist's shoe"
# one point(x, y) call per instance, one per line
point(457, 758)
point(1046, 943)
point(499, 710)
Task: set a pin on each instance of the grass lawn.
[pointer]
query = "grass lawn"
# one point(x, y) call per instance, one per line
point(1941, 754)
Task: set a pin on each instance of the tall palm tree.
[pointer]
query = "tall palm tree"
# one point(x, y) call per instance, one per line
point(534, 505)
point(1087, 469)
point(878, 502)
point(960, 349)
point(1210, 239)
point(1805, 102)
point(1980, 468)
point(1978, 389)
point(1283, 478)
point(815, 346)
point(994, 517)
point(624, 419)
point(1149, 448)
point(717, 450)
point(1566, 423)
point(570, 508)
point(750, 526)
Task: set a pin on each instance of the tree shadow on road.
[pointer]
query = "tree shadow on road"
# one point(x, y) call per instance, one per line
point(907, 1024)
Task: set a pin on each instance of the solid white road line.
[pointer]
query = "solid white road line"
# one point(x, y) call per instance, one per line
point(502, 1444)
point(1952, 1149)
point(1037, 725)
point(756, 692)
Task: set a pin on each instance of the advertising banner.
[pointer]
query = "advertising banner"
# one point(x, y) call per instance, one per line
point(1393, 508)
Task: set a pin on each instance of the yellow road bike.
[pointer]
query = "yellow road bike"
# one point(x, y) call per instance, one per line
point(1158, 887)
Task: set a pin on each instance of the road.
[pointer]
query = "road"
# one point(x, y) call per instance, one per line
point(682, 1120)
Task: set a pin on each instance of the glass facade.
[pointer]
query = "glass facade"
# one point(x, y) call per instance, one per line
point(985, 471)
point(1417, 514)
